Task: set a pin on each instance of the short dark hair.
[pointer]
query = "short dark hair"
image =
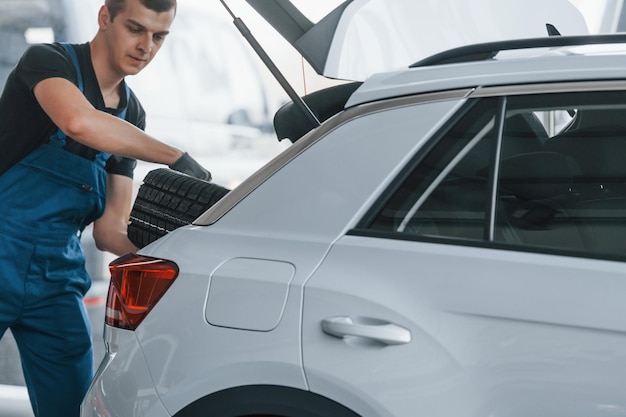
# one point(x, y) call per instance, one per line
point(118, 6)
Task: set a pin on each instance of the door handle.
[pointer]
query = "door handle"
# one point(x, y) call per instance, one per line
point(381, 331)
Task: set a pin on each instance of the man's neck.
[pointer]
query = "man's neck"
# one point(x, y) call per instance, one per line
point(108, 79)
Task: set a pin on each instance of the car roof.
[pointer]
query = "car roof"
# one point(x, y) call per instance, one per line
point(573, 63)
point(526, 61)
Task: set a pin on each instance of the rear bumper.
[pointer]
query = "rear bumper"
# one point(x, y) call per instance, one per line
point(122, 385)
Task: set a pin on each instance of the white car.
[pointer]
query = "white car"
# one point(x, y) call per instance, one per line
point(450, 241)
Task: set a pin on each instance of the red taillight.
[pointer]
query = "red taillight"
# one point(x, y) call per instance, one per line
point(137, 283)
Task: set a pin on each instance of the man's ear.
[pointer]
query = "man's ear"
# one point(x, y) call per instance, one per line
point(104, 17)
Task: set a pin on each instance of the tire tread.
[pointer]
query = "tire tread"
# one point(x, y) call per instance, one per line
point(168, 200)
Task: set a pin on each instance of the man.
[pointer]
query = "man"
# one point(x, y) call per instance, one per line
point(64, 111)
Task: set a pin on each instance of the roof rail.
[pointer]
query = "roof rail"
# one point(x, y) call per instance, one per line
point(483, 51)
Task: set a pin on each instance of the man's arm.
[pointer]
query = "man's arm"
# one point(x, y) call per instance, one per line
point(110, 230)
point(64, 103)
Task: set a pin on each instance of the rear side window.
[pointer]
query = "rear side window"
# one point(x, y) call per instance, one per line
point(542, 172)
point(445, 195)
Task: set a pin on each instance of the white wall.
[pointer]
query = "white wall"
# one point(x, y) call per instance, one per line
point(601, 15)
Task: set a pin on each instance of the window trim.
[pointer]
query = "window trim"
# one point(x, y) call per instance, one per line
point(548, 251)
point(494, 172)
point(548, 88)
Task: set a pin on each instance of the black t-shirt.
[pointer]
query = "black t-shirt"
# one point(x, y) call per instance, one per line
point(24, 125)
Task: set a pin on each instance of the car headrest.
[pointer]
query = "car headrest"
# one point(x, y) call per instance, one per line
point(599, 152)
point(290, 123)
point(536, 175)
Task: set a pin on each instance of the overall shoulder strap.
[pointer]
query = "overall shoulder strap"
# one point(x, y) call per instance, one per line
point(72, 53)
point(59, 137)
point(122, 115)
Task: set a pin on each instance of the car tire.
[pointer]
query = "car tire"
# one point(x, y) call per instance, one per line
point(167, 200)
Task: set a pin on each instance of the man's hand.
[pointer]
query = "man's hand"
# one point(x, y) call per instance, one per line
point(187, 165)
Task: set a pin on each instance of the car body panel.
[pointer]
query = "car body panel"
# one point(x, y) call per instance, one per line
point(336, 191)
point(279, 348)
point(248, 294)
point(267, 235)
point(127, 379)
point(473, 335)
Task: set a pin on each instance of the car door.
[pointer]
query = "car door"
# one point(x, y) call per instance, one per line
point(489, 278)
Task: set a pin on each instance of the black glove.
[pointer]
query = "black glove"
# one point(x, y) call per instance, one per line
point(187, 165)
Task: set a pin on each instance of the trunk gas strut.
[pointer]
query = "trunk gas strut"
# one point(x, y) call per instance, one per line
point(297, 100)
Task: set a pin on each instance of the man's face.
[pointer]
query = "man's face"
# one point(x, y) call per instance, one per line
point(135, 36)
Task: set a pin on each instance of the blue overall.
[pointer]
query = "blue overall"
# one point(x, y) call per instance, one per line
point(46, 200)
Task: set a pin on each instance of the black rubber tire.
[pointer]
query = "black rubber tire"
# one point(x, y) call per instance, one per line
point(167, 200)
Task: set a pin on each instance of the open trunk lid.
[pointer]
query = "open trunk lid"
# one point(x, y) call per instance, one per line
point(362, 37)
